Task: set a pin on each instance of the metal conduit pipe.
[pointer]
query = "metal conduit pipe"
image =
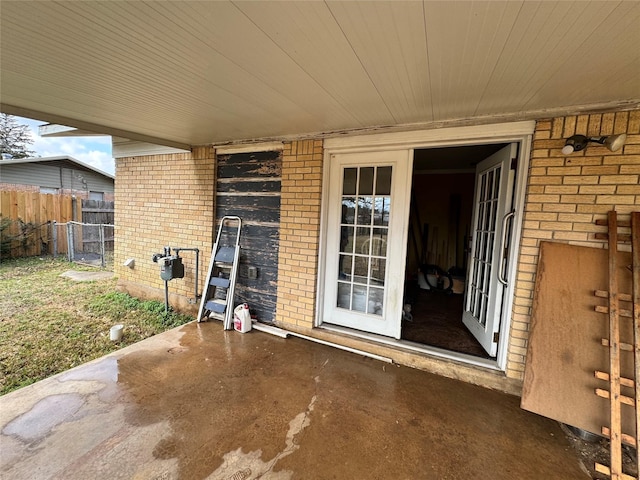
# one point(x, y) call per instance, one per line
point(195, 285)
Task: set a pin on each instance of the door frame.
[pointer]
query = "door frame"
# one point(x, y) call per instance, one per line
point(520, 132)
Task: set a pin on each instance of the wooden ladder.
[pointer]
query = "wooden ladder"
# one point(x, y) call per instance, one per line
point(616, 347)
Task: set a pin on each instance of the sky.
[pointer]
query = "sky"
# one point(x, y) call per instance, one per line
point(95, 151)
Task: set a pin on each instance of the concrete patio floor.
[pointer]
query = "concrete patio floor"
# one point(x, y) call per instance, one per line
point(200, 403)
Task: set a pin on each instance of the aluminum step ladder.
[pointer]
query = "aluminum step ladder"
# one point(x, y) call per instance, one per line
point(217, 297)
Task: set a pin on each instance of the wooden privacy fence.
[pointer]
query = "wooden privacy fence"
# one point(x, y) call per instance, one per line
point(33, 224)
point(26, 221)
point(98, 212)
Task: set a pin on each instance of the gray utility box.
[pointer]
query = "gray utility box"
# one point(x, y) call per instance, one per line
point(171, 267)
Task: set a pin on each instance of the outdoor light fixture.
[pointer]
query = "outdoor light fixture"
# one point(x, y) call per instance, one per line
point(575, 143)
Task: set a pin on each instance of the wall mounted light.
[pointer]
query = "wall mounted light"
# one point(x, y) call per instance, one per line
point(575, 143)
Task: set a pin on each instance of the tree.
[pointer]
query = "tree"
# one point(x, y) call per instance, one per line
point(15, 139)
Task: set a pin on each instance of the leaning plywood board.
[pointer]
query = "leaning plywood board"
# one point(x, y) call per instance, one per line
point(565, 341)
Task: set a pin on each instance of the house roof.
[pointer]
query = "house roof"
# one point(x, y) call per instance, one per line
point(187, 73)
point(61, 159)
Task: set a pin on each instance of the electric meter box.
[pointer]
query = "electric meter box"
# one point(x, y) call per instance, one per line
point(171, 267)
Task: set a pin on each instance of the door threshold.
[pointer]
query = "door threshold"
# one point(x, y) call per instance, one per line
point(466, 368)
point(418, 348)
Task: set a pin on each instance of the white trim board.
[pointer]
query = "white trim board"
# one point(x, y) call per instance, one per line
point(449, 136)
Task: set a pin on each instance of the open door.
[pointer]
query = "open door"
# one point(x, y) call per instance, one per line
point(366, 241)
point(486, 277)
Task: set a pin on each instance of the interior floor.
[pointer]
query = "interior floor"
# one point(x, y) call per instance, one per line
point(437, 321)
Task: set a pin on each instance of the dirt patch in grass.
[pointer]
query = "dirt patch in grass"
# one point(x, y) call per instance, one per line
point(49, 324)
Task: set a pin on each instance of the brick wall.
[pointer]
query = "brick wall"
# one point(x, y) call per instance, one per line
point(565, 196)
point(299, 232)
point(163, 200)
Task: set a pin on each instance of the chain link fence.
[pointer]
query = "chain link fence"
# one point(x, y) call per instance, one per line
point(87, 243)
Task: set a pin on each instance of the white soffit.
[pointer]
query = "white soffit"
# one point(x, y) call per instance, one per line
point(193, 73)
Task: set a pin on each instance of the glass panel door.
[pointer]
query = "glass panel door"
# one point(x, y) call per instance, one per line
point(484, 292)
point(365, 254)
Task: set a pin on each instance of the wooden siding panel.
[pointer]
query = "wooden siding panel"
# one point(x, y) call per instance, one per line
point(250, 165)
point(248, 186)
point(265, 209)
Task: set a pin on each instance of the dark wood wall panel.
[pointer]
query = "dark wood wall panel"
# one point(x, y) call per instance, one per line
point(250, 165)
point(248, 186)
point(253, 208)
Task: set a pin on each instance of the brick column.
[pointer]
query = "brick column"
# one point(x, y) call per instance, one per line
point(299, 232)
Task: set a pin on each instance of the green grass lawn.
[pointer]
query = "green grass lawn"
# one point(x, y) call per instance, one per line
point(49, 324)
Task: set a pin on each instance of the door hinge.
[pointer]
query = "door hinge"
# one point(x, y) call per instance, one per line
point(496, 337)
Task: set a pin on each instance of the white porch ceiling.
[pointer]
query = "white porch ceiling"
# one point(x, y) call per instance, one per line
point(188, 73)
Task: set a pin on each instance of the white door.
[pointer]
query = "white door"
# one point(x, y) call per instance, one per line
point(366, 240)
point(486, 277)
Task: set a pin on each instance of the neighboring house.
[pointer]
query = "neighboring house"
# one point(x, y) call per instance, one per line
point(60, 174)
point(369, 147)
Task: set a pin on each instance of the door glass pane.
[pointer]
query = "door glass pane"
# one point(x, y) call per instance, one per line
point(365, 185)
point(361, 269)
point(359, 298)
point(383, 181)
point(376, 298)
point(363, 248)
point(346, 239)
point(378, 271)
point(362, 240)
point(350, 177)
point(381, 211)
point(346, 267)
point(344, 295)
point(379, 242)
point(348, 210)
point(364, 210)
